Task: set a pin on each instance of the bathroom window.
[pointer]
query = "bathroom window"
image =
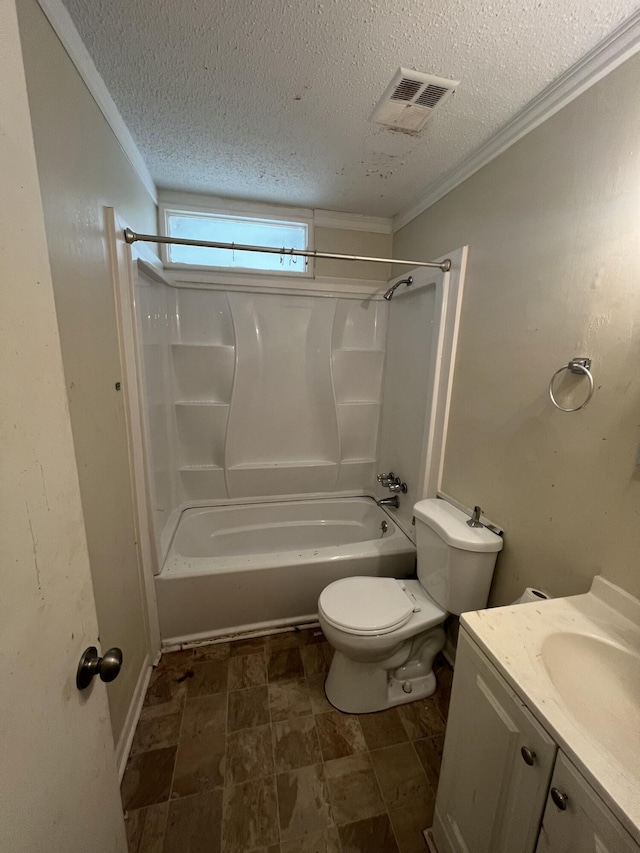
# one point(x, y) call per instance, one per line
point(232, 227)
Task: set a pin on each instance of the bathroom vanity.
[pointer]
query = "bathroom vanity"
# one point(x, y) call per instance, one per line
point(542, 753)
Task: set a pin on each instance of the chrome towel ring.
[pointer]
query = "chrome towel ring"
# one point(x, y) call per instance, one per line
point(576, 365)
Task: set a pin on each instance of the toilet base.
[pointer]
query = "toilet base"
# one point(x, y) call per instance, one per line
point(362, 688)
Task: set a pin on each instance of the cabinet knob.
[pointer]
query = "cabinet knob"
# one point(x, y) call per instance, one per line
point(528, 756)
point(559, 799)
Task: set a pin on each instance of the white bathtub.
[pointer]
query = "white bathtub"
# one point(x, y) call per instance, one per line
point(259, 566)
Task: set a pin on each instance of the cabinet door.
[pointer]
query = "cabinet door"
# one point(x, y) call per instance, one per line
point(490, 800)
point(585, 825)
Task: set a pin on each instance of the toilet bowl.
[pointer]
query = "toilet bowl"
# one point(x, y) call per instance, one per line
point(387, 632)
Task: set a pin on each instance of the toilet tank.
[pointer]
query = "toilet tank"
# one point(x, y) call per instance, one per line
point(455, 561)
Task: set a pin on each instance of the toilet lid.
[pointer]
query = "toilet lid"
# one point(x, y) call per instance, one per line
point(365, 605)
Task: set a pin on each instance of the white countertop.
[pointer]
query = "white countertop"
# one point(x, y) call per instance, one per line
point(513, 639)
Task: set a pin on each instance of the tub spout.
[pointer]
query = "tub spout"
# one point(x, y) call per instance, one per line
point(394, 502)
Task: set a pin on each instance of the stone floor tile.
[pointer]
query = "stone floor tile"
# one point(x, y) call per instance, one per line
point(211, 651)
point(310, 636)
point(250, 816)
point(319, 702)
point(421, 719)
point(285, 664)
point(147, 778)
point(353, 788)
point(372, 835)
point(384, 728)
point(193, 824)
point(247, 671)
point(249, 755)
point(248, 708)
point(442, 696)
point(325, 841)
point(283, 640)
point(272, 848)
point(410, 820)
point(208, 677)
point(204, 715)
point(303, 802)
point(167, 684)
point(145, 828)
point(400, 775)
point(295, 743)
point(340, 734)
point(200, 765)
point(178, 658)
point(158, 726)
point(316, 658)
point(246, 646)
point(289, 699)
point(430, 754)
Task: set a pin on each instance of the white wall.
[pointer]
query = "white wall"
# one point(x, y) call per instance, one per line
point(553, 272)
point(82, 169)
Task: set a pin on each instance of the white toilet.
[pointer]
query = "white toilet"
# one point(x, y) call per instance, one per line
point(387, 632)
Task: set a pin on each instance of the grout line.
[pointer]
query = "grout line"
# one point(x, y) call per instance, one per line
point(273, 751)
point(226, 753)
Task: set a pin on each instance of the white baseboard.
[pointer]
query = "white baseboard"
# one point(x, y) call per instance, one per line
point(242, 632)
point(428, 837)
point(123, 747)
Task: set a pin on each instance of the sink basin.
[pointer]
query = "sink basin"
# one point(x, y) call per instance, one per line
point(599, 683)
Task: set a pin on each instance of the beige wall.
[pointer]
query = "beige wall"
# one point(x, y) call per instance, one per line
point(553, 227)
point(345, 241)
point(82, 168)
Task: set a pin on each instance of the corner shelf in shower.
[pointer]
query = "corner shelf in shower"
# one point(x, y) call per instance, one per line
point(270, 466)
point(357, 349)
point(201, 344)
point(201, 403)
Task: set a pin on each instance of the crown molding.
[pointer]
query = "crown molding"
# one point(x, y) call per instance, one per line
point(69, 36)
point(352, 221)
point(619, 46)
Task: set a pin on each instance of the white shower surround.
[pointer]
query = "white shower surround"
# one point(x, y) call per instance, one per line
point(253, 567)
point(253, 395)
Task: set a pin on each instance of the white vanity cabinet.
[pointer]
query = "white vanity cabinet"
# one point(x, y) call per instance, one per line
point(496, 767)
point(576, 820)
point(504, 785)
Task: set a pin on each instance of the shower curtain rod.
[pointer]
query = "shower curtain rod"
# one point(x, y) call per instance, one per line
point(131, 237)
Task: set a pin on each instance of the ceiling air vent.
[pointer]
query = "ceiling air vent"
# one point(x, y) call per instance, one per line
point(411, 98)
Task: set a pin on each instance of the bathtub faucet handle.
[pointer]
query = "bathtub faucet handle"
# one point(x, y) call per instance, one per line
point(385, 479)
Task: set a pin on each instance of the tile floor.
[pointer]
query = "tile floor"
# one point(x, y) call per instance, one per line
point(238, 751)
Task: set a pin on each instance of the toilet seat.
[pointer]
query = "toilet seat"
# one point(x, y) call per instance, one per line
point(366, 605)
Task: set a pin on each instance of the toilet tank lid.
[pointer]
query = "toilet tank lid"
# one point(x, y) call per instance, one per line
point(451, 525)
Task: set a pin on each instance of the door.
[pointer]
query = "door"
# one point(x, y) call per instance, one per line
point(576, 820)
point(496, 764)
point(58, 781)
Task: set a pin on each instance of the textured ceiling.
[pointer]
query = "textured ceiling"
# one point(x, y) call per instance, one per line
point(269, 99)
